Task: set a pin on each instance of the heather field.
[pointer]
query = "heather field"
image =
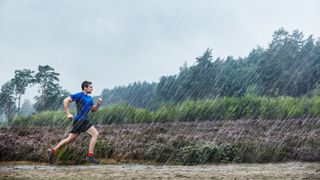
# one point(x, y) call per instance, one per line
point(184, 143)
point(242, 149)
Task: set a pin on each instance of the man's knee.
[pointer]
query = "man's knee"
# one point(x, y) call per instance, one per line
point(70, 139)
point(96, 134)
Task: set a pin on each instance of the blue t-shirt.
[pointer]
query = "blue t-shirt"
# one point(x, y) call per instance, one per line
point(84, 103)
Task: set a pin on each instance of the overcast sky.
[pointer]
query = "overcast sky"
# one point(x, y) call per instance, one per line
point(117, 42)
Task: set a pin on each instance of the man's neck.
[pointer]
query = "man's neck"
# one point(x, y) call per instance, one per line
point(85, 92)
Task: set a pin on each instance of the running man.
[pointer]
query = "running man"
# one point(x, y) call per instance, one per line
point(81, 124)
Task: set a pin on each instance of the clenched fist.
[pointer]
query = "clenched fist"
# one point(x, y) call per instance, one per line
point(99, 101)
point(70, 116)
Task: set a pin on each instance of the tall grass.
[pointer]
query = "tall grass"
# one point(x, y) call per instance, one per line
point(224, 108)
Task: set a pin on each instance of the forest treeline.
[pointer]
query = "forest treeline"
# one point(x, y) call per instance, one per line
point(288, 66)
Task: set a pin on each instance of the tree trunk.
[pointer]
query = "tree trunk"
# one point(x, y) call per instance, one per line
point(19, 100)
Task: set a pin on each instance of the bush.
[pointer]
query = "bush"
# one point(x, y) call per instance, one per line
point(207, 153)
point(104, 149)
point(160, 153)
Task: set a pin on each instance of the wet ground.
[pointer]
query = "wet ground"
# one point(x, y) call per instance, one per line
point(290, 170)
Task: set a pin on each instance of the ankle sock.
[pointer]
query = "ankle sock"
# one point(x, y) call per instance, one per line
point(53, 151)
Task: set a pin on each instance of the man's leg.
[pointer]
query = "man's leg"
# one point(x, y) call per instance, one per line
point(52, 152)
point(70, 138)
point(94, 135)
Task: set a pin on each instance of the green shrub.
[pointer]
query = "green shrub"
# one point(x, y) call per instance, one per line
point(104, 149)
point(160, 153)
point(207, 153)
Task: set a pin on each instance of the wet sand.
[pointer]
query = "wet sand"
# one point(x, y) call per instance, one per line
point(31, 170)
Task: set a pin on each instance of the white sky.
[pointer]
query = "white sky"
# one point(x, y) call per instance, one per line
point(116, 42)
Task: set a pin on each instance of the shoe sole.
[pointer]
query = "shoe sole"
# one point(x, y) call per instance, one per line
point(50, 160)
point(91, 161)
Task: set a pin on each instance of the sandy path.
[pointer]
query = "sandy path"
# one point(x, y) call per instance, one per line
point(291, 170)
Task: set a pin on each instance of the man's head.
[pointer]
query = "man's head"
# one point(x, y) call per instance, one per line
point(87, 86)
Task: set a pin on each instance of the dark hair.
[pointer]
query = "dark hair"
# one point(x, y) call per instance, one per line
point(85, 84)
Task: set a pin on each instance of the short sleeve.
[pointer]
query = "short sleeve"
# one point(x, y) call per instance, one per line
point(75, 97)
point(91, 103)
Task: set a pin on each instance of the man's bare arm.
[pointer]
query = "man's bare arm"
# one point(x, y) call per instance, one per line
point(66, 103)
point(96, 107)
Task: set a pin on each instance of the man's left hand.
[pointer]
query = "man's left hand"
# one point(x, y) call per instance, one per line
point(99, 101)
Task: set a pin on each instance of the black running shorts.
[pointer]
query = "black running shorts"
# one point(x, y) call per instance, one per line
point(80, 126)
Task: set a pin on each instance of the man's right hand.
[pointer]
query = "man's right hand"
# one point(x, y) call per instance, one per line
point(70, 116)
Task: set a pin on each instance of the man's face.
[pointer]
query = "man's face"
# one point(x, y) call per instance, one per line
point(88, 89)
